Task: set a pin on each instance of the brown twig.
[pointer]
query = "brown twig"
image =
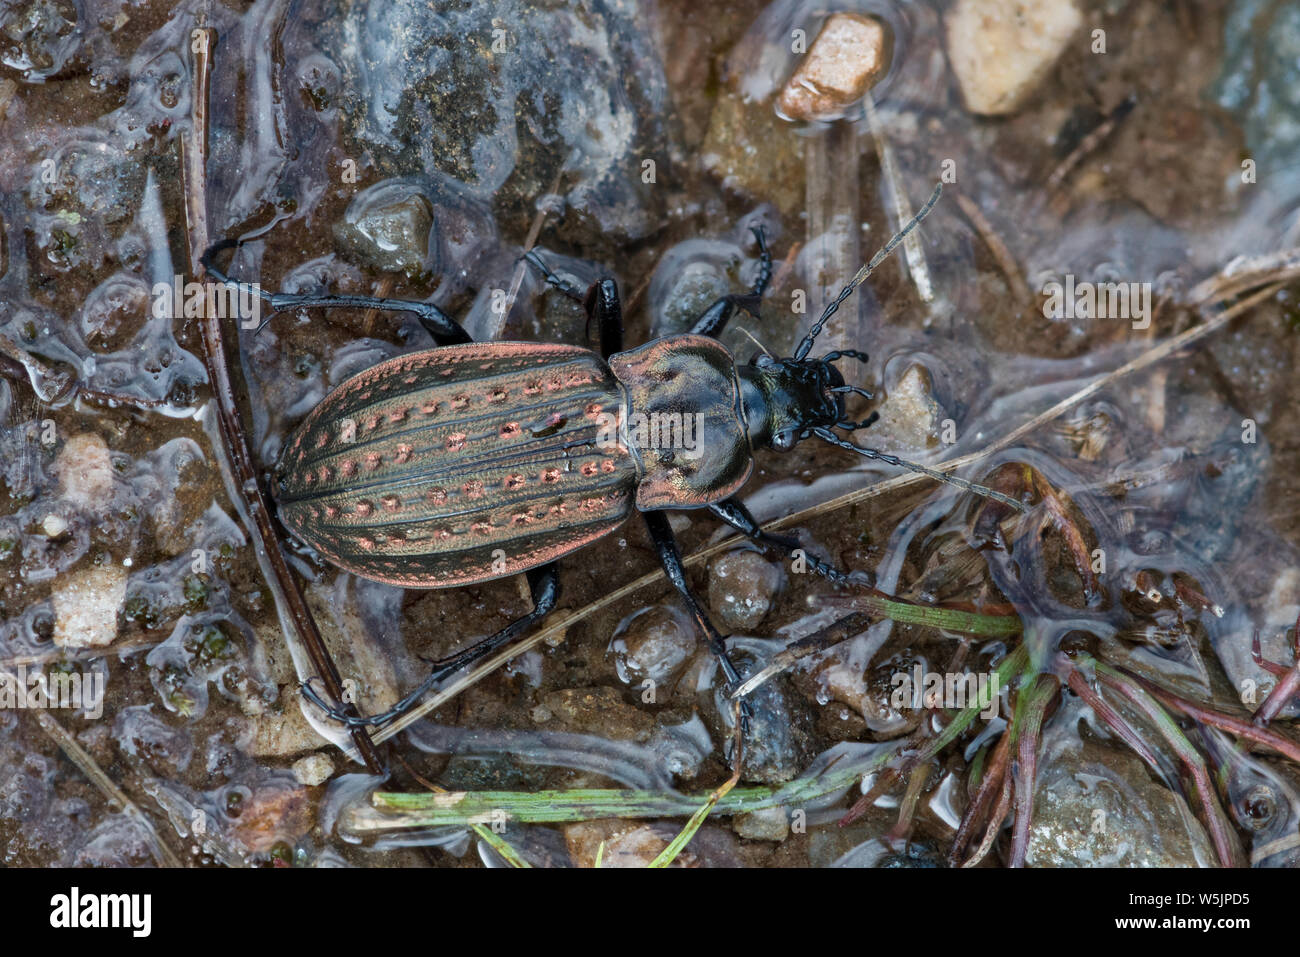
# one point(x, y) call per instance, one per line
point(1089, 144)
point(1001, 254)
point(257, 505)
point(100, 779)
point(1070, 531)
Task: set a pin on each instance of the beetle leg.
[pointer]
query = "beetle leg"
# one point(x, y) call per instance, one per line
point(569, 289)
point(733, 512)
point(602, 304)
point(661, 534)
point(543, 583)
point(714, 319)
point(445, 330)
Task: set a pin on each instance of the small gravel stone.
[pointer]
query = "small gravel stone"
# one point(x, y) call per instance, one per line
point(86, 603)
point(85, 471)
point(1001, 50)
point(389, 227)
point(312, 770)
point(769, 824)
point(599, 711)
point(849, 55)
point(652, 645)
point(742, 586)
point(910, 418)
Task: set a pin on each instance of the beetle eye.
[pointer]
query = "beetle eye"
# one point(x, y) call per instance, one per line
point(783, 441)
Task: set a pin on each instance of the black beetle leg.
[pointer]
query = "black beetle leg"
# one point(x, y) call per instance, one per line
point(569, 289)
point(543, 583)
point(733, 512)
point(603, 305)
point(661, 534)
point(600, 301)
point(714, 319)
point(445, 330)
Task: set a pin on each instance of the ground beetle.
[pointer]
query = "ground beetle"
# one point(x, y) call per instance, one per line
point(474, 461)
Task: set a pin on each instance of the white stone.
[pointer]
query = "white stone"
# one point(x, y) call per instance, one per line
point(1001, 49)
point(312, 770)
point(85, 471)
point(86, 603)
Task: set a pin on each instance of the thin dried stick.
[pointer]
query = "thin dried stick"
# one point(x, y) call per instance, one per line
point(1001, 254)
point(115, 795)
point(194, 151)
point(917, 268)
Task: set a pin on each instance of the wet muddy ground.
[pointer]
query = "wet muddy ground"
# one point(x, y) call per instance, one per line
point(414, 150)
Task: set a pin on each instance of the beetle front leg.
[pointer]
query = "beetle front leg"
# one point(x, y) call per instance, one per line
point(714, 319)
point(661, 534)
point(445, 330)
point(544, 585)
point(733, 512)
point(600, 301)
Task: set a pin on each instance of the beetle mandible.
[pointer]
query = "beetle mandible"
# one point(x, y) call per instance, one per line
point(473, 461)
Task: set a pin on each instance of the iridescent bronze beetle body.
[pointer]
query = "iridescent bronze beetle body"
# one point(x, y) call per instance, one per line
point(474, 461)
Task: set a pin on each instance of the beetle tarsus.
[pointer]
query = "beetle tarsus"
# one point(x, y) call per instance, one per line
point(574, 292)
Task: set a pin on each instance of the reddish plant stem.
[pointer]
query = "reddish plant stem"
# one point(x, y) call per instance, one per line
point(992, 783)
point(1225, 722)
point(1070, 531)
point(884, 781)
point(1025, 769)
point(1225, 844)
point(1080, 686)
point(1286, 688)
point(995, 821)
point(907, 806)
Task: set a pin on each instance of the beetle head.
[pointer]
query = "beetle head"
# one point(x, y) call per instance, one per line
point(797, 396)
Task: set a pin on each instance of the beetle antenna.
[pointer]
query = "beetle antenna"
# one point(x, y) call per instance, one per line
point(806, 345)
point(833, 439)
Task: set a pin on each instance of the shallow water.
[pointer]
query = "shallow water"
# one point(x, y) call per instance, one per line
point(393, 150)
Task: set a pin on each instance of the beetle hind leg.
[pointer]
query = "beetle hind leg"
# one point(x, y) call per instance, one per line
point(543, 583)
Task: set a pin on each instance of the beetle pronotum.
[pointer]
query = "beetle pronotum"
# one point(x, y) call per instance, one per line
point(474, 461)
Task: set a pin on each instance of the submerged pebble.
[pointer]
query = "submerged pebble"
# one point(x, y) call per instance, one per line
point(1001, 49)
point(850, 53)
point(742, 587)
point(86, 604)
point(1095, 805)
point(653, 645)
